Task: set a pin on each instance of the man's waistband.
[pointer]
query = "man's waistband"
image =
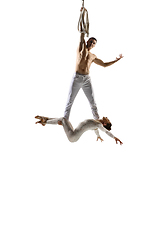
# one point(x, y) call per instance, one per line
point(77, 73)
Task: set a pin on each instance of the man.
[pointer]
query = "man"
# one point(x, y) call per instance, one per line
point(81, 77)
point(73, 135)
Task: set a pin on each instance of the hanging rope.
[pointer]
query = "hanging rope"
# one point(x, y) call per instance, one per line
point(83, 23)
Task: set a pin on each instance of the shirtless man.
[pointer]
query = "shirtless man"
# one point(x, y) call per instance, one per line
point(81, 78)
point(73, 135)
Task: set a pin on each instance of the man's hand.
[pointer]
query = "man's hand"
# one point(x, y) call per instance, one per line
point(83, 8)
point(100, 139)
point(117, 140)
point(120, 56)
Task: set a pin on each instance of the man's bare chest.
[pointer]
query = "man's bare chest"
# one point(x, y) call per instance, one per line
point(87, 56)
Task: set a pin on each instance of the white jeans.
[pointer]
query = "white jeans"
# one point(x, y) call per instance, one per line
point(84, 82)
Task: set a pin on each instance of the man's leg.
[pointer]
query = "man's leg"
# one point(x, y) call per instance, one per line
point(88, 90)
point(74, 89)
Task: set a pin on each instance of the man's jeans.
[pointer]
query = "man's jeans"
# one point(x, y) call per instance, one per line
point(84, 82)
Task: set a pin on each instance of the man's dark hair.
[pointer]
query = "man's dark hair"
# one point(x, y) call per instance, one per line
point(108, 126)
point(93, 38)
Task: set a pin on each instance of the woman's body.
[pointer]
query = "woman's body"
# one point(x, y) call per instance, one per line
point(73, 135)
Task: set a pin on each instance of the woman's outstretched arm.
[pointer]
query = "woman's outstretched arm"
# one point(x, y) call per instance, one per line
point(110, 134)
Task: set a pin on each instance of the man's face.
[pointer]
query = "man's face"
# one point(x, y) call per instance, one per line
point(91, 43)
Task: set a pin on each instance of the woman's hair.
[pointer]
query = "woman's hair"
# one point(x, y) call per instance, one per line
point(108, 126)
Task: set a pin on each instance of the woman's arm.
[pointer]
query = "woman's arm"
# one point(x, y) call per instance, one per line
point(98, 136)
point(109, 134)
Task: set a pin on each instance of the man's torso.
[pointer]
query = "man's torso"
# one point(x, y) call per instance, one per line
point(84, 60)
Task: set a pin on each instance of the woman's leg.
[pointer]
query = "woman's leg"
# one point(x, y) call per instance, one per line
point(74, 135)
point(69, 131)
point(54, 120)
point(66, 125)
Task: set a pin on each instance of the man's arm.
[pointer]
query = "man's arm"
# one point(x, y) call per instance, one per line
point(106, 64)
point(82, 43)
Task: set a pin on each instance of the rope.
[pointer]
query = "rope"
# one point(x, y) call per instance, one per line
point(83, 23)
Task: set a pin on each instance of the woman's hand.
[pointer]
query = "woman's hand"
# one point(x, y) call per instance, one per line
point(100, 139)
point(117, 140)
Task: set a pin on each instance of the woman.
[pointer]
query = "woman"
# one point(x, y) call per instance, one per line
point(73, 135)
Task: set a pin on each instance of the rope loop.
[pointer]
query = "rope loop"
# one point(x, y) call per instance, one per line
point(83, 23)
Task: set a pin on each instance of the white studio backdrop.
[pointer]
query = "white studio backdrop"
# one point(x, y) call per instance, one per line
point(51, 188)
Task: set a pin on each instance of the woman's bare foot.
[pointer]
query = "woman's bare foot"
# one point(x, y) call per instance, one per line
point(42, 121)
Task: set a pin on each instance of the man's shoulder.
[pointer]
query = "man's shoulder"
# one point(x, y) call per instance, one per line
point(93, 55)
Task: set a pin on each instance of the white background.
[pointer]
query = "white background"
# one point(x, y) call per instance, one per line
point(51, 188)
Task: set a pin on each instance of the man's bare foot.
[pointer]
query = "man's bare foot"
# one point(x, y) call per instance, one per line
point(42, 121)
